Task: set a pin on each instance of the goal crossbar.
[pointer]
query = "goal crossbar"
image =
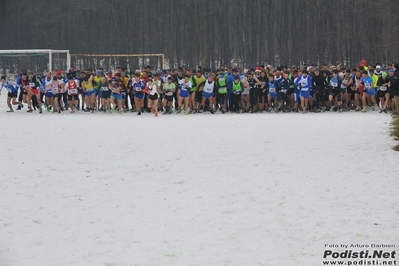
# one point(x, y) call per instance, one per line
point(43, 51)
point(123, 55)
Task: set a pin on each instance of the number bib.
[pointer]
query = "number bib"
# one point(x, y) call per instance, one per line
point(73, 91)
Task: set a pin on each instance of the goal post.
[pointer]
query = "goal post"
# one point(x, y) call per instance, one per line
point(112, 61)
point(36, 60)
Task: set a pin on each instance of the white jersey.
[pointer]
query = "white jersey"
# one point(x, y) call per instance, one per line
point(46, 80)
point(344, 83)
point(53, 87)
point(209, 87)
point(152, 89)
point(165, 78)
point(61, 85)
point(72, 88)
point(185, 86)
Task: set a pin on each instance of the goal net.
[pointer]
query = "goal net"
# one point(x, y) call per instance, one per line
point(111, 61)
point(13, 62)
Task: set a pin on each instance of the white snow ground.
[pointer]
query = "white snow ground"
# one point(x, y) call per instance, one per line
point(263, 189)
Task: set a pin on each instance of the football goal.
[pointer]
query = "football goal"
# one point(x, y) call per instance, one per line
point(12, 62)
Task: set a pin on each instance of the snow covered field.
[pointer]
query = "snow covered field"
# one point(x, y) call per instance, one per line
point(263, 189)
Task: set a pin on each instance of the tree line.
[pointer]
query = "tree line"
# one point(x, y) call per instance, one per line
point(210, 33)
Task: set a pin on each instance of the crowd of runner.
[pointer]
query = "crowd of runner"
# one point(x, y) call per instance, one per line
point(260, 89)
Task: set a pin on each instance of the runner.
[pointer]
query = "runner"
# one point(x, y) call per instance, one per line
point(81, 78)
point(169, 89)
point(245, 99)
point(12, 89)
point(184, 94)
point(369, 92)
point(64, 94)
point(33, 88)
point(153, 96)
point(105, 93)
point(158, 83)
point(272, 94)
point(263, 90)
point(221, 84)
point(346, 85)
point(394, 87)
point(304, 83)
point(384, 93)
point(193, 91)
point(138, 86)
point(96, 81)
point(116, 94)
point(72, 87)
point(48, 95)
point(318, 85)
point(359, 88)
point(284, 85)
point(199, 79)
point(53, 86)
point(208, 94)
point(21, 79)
point(89, 91)
point(236, 88)
point(335, 92)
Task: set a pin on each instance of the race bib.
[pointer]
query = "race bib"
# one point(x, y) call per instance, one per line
point(304, 82)
point(138, 88)
point(73, 91)
point(54, 89)
point(223, 89)
point(104, 88)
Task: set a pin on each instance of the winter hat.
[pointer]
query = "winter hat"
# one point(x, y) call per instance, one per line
point(384, 74)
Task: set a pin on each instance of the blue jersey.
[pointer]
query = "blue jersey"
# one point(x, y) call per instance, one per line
point(138, 87)
point(304, 83)
point(11, 87)
point(272, 87)
point(334, 83)
point(368, 83)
